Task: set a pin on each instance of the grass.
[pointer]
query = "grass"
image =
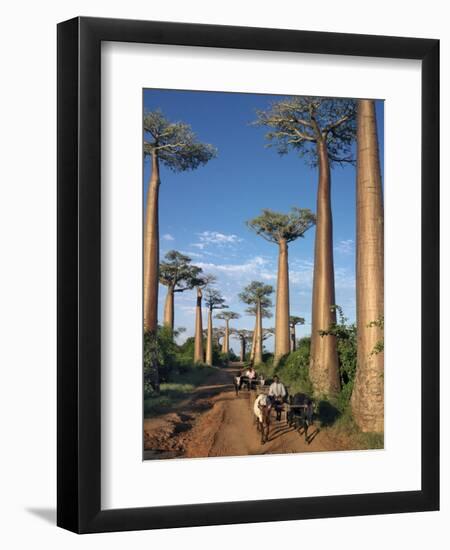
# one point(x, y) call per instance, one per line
point(346, 425)
point(179, 387)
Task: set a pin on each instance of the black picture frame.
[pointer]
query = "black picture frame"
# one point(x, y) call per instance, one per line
point(79, 280)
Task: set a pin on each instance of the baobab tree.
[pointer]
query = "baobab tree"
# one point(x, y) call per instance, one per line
point(174, 145)
point(213, 300)
point(257, 296)
point(321, 130)
point(227, 316)
point(293, 322)
point(178, 275)
point(245, 337)
point(282, 229)
point(265, 313)
point(368, 394)
point(203, 282)
point(217, 334)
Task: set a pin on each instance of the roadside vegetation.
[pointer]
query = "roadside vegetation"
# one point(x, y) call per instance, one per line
point(179, 374)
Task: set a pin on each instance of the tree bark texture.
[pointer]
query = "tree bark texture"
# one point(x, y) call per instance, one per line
point(252, 351)
point(324, 366)
point(198, 339)
point(258, 339)
point(209, 342)
point(242, 357)
point(169, 315)
point(151, 251)
point(226, 338)
point(292, 336)
point(368, 394)
point(282, 343)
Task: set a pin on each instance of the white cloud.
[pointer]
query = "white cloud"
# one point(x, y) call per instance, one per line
point(345, 247)
point(251, 266)
point(214, 238)
point(168, 237)
point(192, 254)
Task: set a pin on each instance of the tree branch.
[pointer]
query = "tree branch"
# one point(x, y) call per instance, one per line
point(335, 124)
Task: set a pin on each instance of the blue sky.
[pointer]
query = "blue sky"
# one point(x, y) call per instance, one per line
point(203, 212)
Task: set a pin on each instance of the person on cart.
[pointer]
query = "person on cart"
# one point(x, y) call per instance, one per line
point(251, 375)
point(277, 392)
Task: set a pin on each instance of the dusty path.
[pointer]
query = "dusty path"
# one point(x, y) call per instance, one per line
point(214, 422)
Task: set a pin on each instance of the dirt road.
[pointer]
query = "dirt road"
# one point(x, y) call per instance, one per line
point(214, 422)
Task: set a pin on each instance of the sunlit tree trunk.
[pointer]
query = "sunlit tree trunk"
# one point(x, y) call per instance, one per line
point(368, 393)
point(292, 336)
point(258, 338)
point(151, 250)
point(282, 345)
point(252, 351)
point(226, 338)
point(198, 339)
point(209, 342)
point(169, 308)
point(242, 357)
point(324, 367)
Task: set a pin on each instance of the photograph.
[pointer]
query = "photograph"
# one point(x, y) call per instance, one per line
point(263, 274)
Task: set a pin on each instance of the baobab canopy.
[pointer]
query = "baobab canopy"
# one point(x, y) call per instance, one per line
point(177, 271)
point(174, 143)
point(301, 122)
point(275, 226)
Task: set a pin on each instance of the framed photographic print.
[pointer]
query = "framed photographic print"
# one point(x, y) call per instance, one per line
point(248, 256)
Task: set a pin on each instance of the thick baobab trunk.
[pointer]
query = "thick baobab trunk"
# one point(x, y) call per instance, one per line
point(198, 339)
point(292, 336)
point(282, 344)
point(226, 338)
point(209, 342)
point(151, 251)
point(258, 338)
point(242, 357)
point(169, 308)
point(368, 393)
point(324, 366)
point(252, 351)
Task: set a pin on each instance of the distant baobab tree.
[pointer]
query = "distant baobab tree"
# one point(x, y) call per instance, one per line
point(213, 300)
point(282, 229)
point(322, 131)
point(252, 309)
point(174, 145)
point(227, 316)
point(217, 334)
point(245, 337)
point(293, 322)
point(257, 296)
point(368, 393)
point(203, 282)
point(178, 275)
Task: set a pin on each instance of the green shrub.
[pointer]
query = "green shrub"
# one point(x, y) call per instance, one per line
point(159, 357)
point(304, 343)
point(267, 367)
point(293, 370)
point(346, 338)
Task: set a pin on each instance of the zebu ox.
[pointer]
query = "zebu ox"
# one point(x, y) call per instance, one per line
point(300, 413)
point(262, 409)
